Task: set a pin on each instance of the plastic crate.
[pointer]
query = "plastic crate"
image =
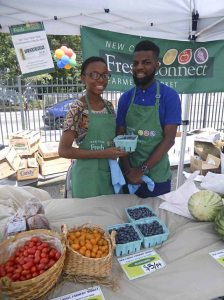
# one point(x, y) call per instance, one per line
point(137, 207)
point(128, 248)
point(153, 240)
point(127, 143)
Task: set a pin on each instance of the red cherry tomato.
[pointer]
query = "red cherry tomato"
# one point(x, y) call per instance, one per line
point(52, 252)
point(44, 260)
point(41, 267)
point(57, 255)
point(35, 239)
point(51, 263)
point(37, 259)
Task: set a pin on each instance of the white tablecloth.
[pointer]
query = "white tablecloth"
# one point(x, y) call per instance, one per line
point(190, 272)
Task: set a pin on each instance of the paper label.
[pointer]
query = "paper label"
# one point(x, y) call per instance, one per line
point(218, 256)
point(93, 293)
point(141, 263)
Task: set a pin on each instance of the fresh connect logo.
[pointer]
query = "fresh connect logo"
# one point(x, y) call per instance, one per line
point(187, 63)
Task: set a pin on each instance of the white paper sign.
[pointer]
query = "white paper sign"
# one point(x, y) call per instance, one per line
point(141, 263)
point(93, 293)
point(32, 48)
point(218, 256)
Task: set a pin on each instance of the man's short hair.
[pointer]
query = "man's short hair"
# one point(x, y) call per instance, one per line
point(147, 46)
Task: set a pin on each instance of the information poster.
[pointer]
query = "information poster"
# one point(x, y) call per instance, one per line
point(32, 48)
point(93, 293)
point(141, 263)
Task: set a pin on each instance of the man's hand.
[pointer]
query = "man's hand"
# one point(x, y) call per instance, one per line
point(134, 176)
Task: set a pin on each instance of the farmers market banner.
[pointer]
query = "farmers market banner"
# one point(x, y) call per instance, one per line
point(188, 67)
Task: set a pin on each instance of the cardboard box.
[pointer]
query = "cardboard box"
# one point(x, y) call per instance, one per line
point(211, 164)
point(53, 165)
point(209, 135)
point(202, 149)
point(9, 162)
point(25, 142)
point(49, 149)
point(28, 169)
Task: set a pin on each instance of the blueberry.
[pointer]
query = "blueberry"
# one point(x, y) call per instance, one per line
point(125, 234)
point(140, 212)
point(149, 229)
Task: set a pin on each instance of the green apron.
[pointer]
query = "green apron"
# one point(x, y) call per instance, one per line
point(144, 121)
point(92, 177)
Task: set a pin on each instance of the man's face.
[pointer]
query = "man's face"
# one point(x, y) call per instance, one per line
point(144, 68)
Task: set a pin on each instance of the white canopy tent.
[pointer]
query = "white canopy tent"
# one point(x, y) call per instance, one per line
point(155, 18)
point(201, 20)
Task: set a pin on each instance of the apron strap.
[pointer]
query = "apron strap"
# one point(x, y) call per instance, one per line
point(89, 108)
point(157, 94)
point(87, 101)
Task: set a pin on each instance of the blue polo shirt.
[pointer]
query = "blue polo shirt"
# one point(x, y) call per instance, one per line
point(169, 109)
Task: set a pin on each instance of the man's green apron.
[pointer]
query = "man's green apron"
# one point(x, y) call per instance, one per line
point(144, 121)
point(92, 177)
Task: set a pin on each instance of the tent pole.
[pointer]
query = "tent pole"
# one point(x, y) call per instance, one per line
point(209, 27)
point(186, 103)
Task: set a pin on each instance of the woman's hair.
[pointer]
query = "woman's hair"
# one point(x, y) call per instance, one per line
point(89, 61)
point(147, 46)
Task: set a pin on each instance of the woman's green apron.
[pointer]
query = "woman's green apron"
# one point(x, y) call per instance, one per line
point(91, 177)
point(144, 121)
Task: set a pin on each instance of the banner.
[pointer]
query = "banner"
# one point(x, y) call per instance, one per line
point(188, 67)
point(32, 48)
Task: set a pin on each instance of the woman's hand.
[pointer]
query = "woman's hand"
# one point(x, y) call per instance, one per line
point(114, 153)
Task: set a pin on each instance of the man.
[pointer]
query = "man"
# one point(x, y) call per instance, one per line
point(152, 111)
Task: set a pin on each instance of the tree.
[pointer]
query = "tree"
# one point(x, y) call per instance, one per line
point(8, 67)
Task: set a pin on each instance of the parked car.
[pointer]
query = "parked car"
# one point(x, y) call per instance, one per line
point(55, 114)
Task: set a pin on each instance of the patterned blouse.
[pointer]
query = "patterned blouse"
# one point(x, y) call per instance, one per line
point(77, 118)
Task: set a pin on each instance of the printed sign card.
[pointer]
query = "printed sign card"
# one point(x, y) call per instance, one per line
point(141, 263)
point(32, 48)
point(93, 293)
point(218, 256)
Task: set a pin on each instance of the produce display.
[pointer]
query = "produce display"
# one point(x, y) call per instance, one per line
point(153, 230)
point(88, 242)
point(128, 239)
point(149, 229)
point(30, 260)
point(204, 205)
point(219, 222)
point(125, 234)
point(140, 212)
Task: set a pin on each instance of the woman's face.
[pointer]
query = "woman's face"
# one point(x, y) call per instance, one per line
point(96, 77)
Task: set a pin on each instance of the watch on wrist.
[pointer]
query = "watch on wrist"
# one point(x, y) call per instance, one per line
point(144, 168)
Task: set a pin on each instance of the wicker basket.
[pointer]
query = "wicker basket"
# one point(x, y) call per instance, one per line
point(37, 286)
point(79, 265)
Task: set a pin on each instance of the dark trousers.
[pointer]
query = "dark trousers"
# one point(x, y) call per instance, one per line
point(143, 192)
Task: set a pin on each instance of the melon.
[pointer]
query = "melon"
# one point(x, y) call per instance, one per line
point(204, 205)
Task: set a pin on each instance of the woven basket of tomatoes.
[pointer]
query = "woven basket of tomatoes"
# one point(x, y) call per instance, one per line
point(31, 263)
point(89, 251)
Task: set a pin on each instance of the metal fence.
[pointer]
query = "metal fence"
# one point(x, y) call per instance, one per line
point(23, 105)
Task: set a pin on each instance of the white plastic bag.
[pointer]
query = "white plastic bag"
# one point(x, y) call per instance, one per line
point(213, 182)
point(177, 201)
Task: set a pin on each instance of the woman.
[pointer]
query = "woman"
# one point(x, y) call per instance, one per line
point(91, 122)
